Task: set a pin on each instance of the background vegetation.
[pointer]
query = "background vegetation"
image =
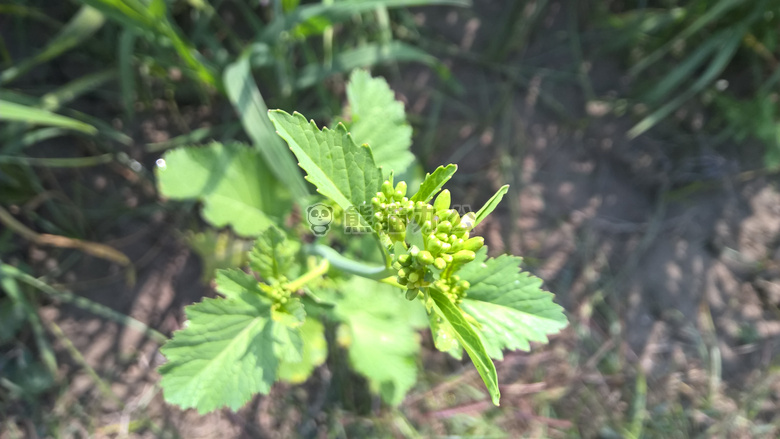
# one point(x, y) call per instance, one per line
point(640, 138)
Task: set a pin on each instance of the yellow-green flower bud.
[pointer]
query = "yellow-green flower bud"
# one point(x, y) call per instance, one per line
point(434, 245)
point(387, 189)
point(474, 243)
point(442, 201)
point(439, 263)
point(400, 190)
point(444, 227)
point(463, 256)
point(425, 258)
point(413, 276)
point(411, 294)
point(467, 221)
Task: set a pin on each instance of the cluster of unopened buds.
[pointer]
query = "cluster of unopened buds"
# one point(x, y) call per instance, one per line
point(445, 237)
point(391, 210)
point(277, 292)
point(454, 288)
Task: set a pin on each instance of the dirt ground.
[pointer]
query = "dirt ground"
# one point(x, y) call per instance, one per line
point(664, 250)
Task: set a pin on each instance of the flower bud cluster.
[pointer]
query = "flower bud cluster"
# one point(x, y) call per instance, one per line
point(445, 236)
point(392, 210)
point(412, 270)
point(277, 292)
point(454, 288)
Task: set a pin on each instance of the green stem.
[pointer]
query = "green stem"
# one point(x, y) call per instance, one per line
point(350, 266)
point(392, 281)
point(309, 276)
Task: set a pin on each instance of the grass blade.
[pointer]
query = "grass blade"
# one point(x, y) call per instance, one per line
point(246, 99)
point(82, 26)
point(367, 55)
point(339, 11)
point(11, 287)
point(10, 111)
point(717, 65)
point(713, 13)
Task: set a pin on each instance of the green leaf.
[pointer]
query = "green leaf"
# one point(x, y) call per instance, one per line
point(14, 112)
point(491, 204)
point(217, 249)
point(381, 333)
point(273, 256)
point(342, 171)
point(229, 349)
point(444, 337)
point(246, 98)
point(315, 351)
point(470, 340)
point(378, 120)
point(231, 180)
point(509, 304)
point(434, 182)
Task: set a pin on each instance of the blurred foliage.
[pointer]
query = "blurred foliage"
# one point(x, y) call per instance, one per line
point(682, 51)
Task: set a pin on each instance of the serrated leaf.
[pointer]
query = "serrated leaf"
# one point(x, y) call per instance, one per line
point(342, 171)
point(377, 119)
point(273, 256)
point(384, 342)
point(314, 353)
point(229, 349)
point(490, 205)
point(433, 182)
point(470, 340)
point(509, 304)
point(231, 180)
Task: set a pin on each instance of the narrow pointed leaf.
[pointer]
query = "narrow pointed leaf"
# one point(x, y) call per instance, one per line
point(491, 204)
point(434, 182)
point(471, 342)
point(83, 25)
point(249, 104)
point(10, 111)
